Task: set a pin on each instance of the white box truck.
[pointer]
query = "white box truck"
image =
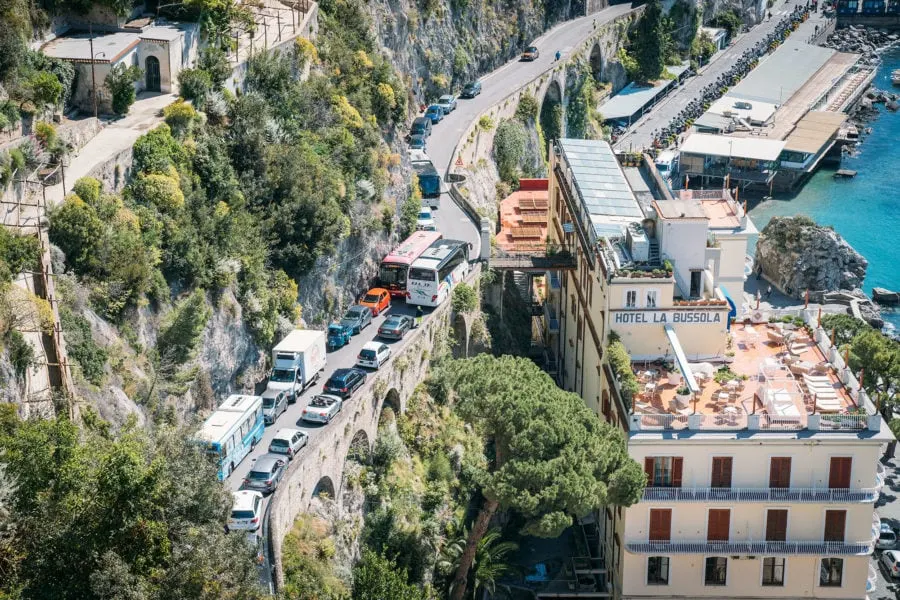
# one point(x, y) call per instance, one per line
point(297, 361)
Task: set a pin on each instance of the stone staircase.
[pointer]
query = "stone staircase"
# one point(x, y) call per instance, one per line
point(850, 88)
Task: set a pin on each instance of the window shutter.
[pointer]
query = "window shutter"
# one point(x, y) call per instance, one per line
point(839, 473)
point(677, 467)
point(718, 525)
point(721, 472)
point(776, 525)
point(835, 520)
point(648, 469)
point(780, 472)
point(660, 524)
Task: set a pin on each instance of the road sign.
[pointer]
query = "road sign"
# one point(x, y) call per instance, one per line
point(459, 161)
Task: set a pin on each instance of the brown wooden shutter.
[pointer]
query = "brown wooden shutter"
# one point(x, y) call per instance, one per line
point(677, 469)
point(780, 472)
point(719, 524)
point(835, 520)
point(648, 469)
point(661, 524)
point(721, 472)
point(776, 525)
point(839, 474)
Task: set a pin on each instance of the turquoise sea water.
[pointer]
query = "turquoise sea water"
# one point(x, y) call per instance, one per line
point(864, 210)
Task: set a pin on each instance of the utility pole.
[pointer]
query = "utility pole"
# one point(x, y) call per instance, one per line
point(93, 70)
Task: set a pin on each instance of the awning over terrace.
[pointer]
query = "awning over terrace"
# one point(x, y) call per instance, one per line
point(681, 360)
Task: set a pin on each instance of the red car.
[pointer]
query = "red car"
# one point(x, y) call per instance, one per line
point(377, 299)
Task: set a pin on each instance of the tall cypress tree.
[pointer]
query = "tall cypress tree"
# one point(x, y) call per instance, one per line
point(649, 43)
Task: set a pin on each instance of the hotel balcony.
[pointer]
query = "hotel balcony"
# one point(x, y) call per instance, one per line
point(796, 495)
point(752, 548)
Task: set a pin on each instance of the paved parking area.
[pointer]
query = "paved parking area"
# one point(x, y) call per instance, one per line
point(888, 507)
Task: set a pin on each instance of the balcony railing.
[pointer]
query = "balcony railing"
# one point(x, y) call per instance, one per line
point(752, 548)
point(754, 422)
point(799, 495)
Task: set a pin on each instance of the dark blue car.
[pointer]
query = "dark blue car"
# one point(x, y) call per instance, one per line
point(343, 382)
point(435, 112)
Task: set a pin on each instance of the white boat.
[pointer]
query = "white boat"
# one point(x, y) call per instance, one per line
point(895, 77)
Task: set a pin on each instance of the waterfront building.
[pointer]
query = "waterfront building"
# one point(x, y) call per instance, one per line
point(762, 478)
point(709, 159)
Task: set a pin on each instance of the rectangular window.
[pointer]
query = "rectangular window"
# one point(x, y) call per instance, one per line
point(716, 570)
point(835, 520)
point(664, 471)
point(658, 570)
point(718, 525)
point(651, 298)
point(839, 473)
point(660, 524)
point(832, 572)
point(721, 472)
point(631, 299)
point(773, 571)
point(780, 472)
point(776, 525)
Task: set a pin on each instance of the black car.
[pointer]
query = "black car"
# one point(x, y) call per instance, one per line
point(395, 327)
point(343, 382)
point(471, 90)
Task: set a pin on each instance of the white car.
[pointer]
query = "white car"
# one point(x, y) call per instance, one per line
point(246, 512)
point(373, 355)
point(322, 408)
point(288, 441)
point(425, 220)
point(890, 560)
point(448, 103)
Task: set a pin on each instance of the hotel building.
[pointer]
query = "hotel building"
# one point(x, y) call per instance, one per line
point(760, 448)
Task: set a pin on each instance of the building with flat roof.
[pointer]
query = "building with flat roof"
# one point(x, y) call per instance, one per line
point(717, 157)
point(634, 100)
point(782, 73)
point(728, 114)
point(161, 51)
point(760, 447)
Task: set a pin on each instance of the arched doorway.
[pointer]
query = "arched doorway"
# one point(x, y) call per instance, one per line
point(151, 72)
point(596, 62)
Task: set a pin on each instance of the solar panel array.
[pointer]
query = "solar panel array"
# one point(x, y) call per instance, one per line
point(601, 184)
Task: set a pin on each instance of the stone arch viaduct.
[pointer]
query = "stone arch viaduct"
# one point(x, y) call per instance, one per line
point(319, 468)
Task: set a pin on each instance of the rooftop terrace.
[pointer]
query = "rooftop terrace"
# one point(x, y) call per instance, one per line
point(781, 377)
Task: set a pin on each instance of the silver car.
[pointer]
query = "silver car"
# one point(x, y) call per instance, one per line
point(322, 408)
point(274, 403)
point(265, 474)
point(288, 441)
point(890, 560)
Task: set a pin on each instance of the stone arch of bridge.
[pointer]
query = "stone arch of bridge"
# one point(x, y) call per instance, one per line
point(551, 115)
point(324, 487)
point(595, 60)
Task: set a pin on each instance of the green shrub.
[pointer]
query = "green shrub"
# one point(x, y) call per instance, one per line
point(46, 134)
point(439, 468)
point(157, 151)
point(180, 116)
point(21, 354)
point(44, 89)
point(528, 108)
point(17, 253)
point(120, 83)
point(183, 328)
point(157, 190)
point(214, 61)
point(509, 149)
point(17, 158)
point(195, 85)
point(89, 357)
point(620, 362)
point(88, 189)
point(464, 300)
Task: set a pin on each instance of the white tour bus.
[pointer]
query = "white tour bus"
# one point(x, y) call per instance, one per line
point(230, 432)
point(436, 272)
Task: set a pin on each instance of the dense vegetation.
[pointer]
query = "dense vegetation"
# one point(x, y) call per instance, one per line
point(660, 39)
point(137, 516)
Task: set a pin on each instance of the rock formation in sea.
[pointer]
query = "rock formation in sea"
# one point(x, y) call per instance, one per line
point(797, 255)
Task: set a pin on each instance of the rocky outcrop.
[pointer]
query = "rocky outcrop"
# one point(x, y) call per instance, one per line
point(797, 255)
point(886, 297)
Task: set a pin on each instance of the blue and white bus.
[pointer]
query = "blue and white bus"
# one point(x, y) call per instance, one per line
point(436, 272)
point(231, 431)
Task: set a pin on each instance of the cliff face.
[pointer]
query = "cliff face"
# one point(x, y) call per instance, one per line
point(439, 44)
point(797, 255)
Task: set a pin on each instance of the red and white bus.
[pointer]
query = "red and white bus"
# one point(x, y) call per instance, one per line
point(395, 266)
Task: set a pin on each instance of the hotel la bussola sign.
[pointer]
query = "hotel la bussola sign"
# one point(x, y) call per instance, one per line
point(668, 317)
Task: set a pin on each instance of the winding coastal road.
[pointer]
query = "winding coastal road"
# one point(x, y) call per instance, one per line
point(450, 220)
